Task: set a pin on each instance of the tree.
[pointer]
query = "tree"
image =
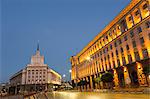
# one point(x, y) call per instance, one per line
point(146, 71)
point(108, 79)
point(98, 80)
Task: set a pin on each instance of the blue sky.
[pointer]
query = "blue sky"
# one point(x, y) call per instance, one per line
point(63, 28)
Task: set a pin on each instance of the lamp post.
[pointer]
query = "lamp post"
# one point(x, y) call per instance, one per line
point(70, 74)
point(64, 77)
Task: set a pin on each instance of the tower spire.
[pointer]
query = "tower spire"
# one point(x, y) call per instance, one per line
point(38, 47)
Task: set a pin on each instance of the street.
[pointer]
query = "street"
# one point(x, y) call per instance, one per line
point(93, 95)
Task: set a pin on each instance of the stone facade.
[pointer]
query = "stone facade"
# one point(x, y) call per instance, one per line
point(36, 75)
point(121, 48)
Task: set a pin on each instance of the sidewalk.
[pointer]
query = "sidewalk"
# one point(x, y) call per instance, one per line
point(125, 90)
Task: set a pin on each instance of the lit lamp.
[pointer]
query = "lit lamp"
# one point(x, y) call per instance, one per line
point(70, 73)
point(64, 77)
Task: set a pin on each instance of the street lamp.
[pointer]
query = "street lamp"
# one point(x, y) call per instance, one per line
point(70, 74)
point(64, 77)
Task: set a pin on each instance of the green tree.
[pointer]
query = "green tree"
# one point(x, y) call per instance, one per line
point(107, 78)
point(146, 71)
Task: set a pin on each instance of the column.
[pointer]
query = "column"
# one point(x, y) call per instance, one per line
point(126, 77)
point(116, 81)
point(141, 76)
point(91, 83)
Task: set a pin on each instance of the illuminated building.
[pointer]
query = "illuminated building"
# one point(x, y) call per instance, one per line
point(122, 48)
point(36, 76)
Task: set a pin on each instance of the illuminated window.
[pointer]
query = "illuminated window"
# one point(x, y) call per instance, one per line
point(147, 24)
point(134, 43)
point(139, 29)
point(131, 34)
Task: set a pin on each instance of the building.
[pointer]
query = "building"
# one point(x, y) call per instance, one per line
point(122, 48)
point(36, 76)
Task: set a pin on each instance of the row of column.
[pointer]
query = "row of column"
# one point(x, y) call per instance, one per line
point(123, 77)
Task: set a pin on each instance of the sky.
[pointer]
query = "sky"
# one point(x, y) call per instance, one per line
point(63, 28)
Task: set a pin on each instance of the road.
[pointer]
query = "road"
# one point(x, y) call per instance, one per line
point(93, 95)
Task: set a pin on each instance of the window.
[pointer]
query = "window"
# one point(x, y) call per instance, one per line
point(119, 41)
point(107, 49)
point(116, 52)
point(121, 49)
point(139, 29)
point(107, 37)
point(142, 40)
point(125, 38)
point(100, 52)
point(145, 6)
point(110, 46)
point(104, 50)
point(131, 34)
point(108, 56)
point(114, 63)
point(112, 54)
point(147, 24)
point(129, 58)
point(118, 62)
point(137, 57)
point(136, 13)
point(115, 44)
point(127, 47)
point(145, 53)
point(123, 60)
point(134, 43)
point(130, 18)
